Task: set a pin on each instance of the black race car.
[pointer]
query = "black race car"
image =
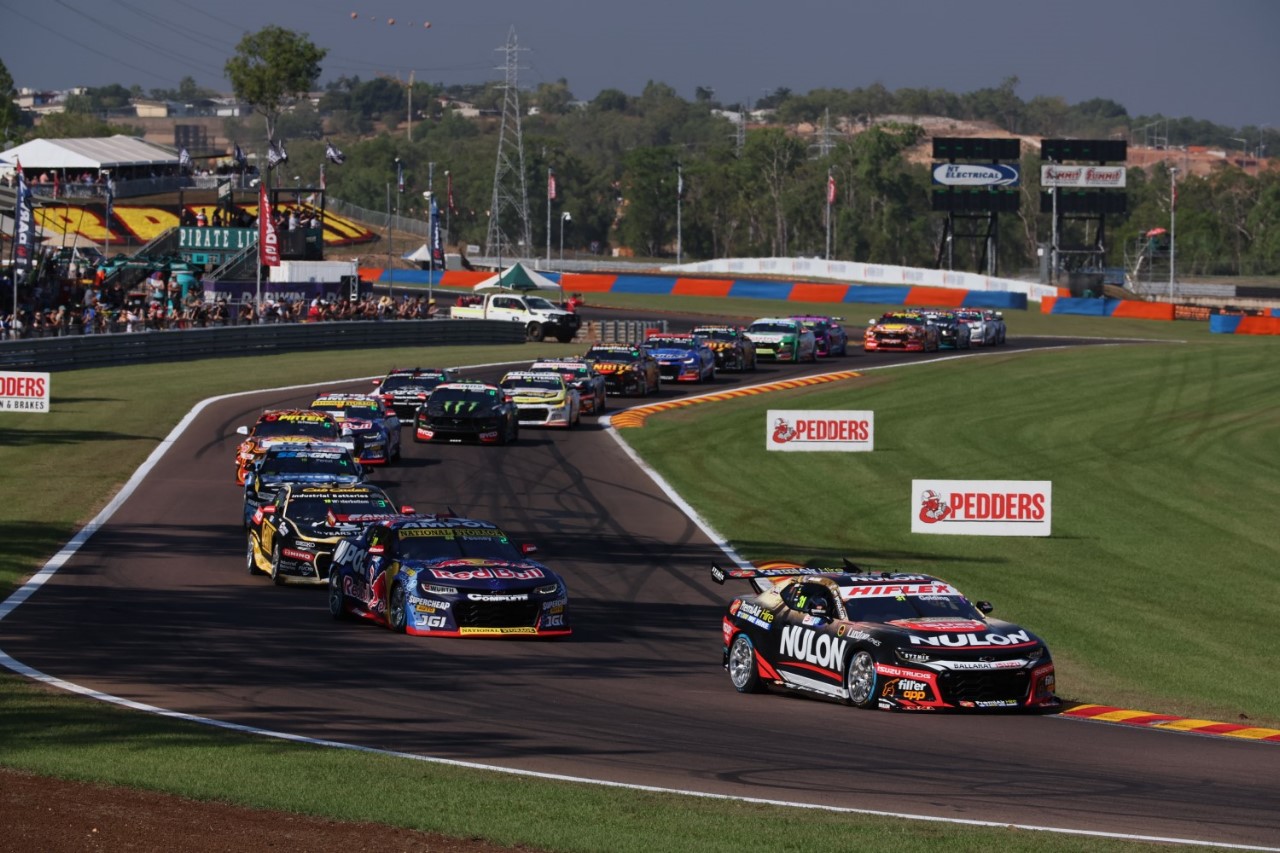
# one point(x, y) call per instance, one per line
point(297, 462)
point(408, 387)
point(733, 349)
point(627, 370)
point(467, 411)
point(891, 640)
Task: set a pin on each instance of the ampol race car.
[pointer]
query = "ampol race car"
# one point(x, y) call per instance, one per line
point(281, 425)
point(783, 339)
point(682, 358)
point(828, 335)
point(627, 370)
point(368, 420)
point(577, 372)
point(467, 411)
point(952, 334)
point(904, 330)
point(293, 536)
point(408, 387)
point(986, 328)
point(296, 462)
point(446, 577)
point(733, 349)
point(542, 399)
point(899, 641)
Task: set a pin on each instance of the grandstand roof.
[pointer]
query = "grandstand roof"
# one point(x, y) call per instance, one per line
point(107, 152)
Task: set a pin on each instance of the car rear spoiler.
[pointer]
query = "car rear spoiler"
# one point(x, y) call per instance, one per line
point(775, 570)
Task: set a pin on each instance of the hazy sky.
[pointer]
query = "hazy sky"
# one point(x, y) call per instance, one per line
point(1209, 59)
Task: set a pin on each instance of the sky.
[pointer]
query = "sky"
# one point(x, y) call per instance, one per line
point(1207, 59)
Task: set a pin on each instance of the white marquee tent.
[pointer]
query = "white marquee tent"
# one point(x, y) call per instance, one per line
point(80, 155)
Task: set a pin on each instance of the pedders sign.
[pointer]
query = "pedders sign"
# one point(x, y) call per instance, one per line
point(982, 507)
point(24, 392)
point(800, 430)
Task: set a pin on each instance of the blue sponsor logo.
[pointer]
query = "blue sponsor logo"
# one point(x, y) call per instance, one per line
point(976, 175)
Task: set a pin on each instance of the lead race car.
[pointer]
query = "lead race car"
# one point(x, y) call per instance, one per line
point(444, 576)
point(898, 641)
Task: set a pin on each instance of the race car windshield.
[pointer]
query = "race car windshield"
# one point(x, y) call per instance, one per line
point(351, 413)
point(548, 383)
point(718, 334)
point(614, 355)
point(670, 343)
point(317, 510)
point(780, 328)
point(326, 430)
point(280, 465)
point(908, 319)
point(395, 383)
point(452, 544)
point(462, 401)
point(888, 609)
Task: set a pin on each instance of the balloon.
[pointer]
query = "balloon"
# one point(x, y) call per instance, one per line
point(391, 22)
point(426, 24)
point(355, 15)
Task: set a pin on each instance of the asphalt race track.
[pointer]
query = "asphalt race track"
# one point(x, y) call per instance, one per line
point(158, 608)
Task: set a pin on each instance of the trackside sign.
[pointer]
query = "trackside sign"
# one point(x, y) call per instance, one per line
point(24, 392)
point(801, 430)
point(982, 507)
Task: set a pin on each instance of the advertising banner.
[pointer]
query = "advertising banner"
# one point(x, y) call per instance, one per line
point(268, 238)
point(982, 507)
point(807, 430)
point(1082, 177)
point(24, 392)
point(976, 175)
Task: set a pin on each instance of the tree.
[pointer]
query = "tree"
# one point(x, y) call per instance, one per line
point(272, 68)
point(10, 115)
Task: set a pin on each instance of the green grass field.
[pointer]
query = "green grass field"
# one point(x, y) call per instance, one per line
point(1164, 462)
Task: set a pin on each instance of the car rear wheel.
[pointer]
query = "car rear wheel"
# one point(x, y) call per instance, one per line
point(337, 604)
point(275, 565)
point(397, 614)
point(250, 556)
point(743, 671)
point(860, 679)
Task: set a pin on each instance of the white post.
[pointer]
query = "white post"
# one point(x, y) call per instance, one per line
point(826, 194)
point(1173, 208)
point(679, 212)
point(550, 177)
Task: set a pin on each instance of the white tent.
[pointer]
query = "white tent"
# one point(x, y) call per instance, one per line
point(110, 152)
point(422, 253)
point(516, 277)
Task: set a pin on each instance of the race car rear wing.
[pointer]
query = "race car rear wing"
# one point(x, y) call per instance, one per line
point(775, 570)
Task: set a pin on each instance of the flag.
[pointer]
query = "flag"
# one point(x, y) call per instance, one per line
point(449, 180)
point(184, 159)
point(268, 239)
point(25, 217)
point(437, 238)
point(551, 184)
point(276, 154)
point(831, 189)
point(111, 199)
point(238, 156)
point(57, 185)
point(679, 184)
point(399, 176)
point(332, 154)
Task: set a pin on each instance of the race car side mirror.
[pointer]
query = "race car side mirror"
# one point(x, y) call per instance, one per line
point(528, 548)
point(242, 430)
point(408, 510)
point(985, 606)
point(376, 550)
point(269, 509)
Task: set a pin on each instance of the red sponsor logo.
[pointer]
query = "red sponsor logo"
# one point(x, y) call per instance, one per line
point(22, 386)
point(998, 506)
point(488, 574)
point(294, 554)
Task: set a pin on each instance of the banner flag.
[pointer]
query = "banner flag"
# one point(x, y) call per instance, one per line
point(184, 160)
point(831, 189)
point(437, 237)
point(333, 154)
point(268, 239)
point(551, 184)
point(25, 218)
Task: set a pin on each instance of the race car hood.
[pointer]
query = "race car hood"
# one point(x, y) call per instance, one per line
point(937, 634)
point(261, 444)
point(269, 483)
point(482, 575)
point(770, 337)
point(672, 354)
point(338, 524)
point(614, 366)
point(535, 394)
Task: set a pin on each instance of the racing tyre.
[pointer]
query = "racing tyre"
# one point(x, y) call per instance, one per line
point(250, 559)
point(535, 332)
point(276, 577)
point(742, 666)
point(337, 608)
point(397, 612)
point(860, 679)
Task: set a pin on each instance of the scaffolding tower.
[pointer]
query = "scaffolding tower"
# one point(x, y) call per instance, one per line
point(509, 208)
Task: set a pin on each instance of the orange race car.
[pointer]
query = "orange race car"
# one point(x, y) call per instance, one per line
point(280, 425)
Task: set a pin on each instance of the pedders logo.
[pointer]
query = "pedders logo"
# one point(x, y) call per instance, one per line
point(820, 430)
point(982, 507)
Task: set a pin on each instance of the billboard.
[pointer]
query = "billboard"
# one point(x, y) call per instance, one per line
point(1082, 177)
point(976, 175)
point(982, 507)
point(794, 431)
point(24, 392)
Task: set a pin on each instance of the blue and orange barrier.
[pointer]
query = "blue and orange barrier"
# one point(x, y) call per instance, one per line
point(1124, 308)
point(1239, 324)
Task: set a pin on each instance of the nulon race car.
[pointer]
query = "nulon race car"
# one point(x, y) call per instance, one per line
point(682, 358)
point(578, 373)
point(445, 576)
point(296, 462)
point(280, 425)
point(783, 339)
point(467, 411)
point(408, 387)
point(733, 349)
point(368, 420)
point(903, 330)
point(292, 537)
point(628, 371)
point(899, 641)
point(542, 399)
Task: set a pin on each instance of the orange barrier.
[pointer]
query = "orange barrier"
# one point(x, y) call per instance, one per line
point(810, 292)
point(1134, 309)
point(940, 296)
point(1046, 304)
point(463, 278)
point(1258, 326)
point(587, 283)
point(702, 287)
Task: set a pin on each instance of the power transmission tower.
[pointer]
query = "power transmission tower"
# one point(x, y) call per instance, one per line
point(740, 132)
point(826, 137)
point(510, 205)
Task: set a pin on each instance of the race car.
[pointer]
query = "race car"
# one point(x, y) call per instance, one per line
point(986, 328)
point(408, 387)
point(899, 641)
point(828, 335)
point(682, 358)
point(904, 330)
point(281, 425)
point(629, 371)
point(542, 399)
point(733, 349)
point(577, 372)
point(297, 462)
point(783, 339)
point(952, 334)
point(467, 411)
point(293, 536)
point(445, 576)
point(367, 419)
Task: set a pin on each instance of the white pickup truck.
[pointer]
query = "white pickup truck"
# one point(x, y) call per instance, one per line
point(541, 317)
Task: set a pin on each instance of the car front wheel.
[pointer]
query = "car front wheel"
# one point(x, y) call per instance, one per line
point(337, 604)
point(397, 615)
point(275, 566)
point(860, 680)
point(743, 671)
point(250, 555)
